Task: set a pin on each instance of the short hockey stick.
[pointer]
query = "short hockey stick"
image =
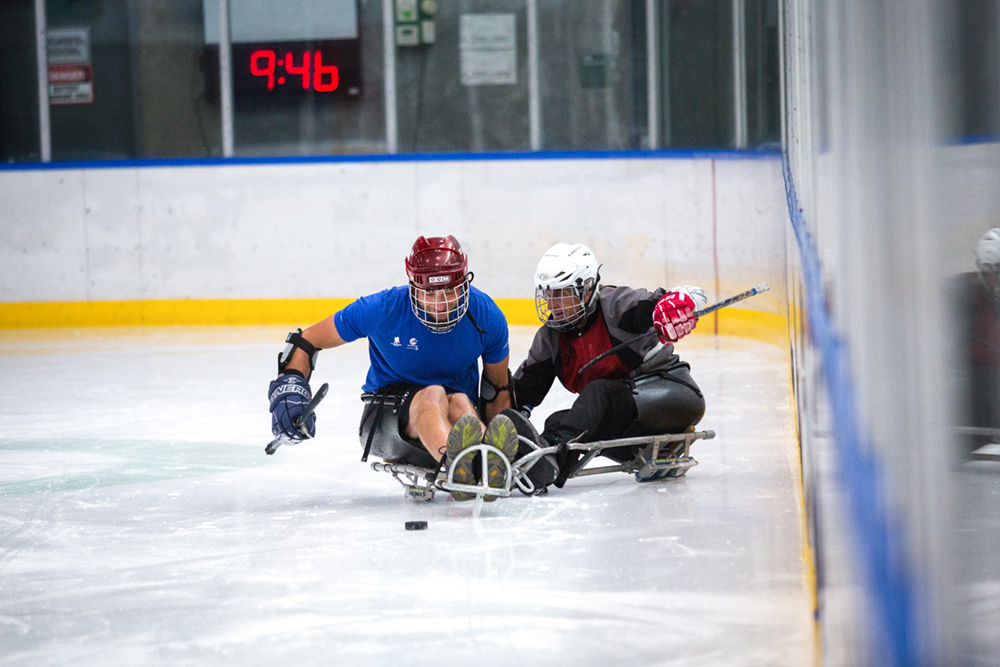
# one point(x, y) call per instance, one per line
point(300, 422)
point(755, 290)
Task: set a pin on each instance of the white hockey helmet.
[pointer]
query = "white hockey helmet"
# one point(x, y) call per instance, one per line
point(988, 260)
point(567, 280)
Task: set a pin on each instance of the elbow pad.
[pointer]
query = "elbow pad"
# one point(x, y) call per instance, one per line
point(489, 391)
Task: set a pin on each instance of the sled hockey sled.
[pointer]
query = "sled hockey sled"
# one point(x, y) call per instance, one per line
point(659, 457)
point(986, 452)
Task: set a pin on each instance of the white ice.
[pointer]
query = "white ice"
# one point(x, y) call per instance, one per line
point(141, 523)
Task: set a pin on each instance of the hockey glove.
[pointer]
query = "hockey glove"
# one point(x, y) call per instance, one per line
point(673, 315)
point(289, 396)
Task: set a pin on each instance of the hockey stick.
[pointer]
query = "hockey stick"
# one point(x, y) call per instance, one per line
point(755, 290)
point(300, 422)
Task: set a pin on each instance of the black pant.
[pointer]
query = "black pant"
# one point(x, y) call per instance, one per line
point(607, 410)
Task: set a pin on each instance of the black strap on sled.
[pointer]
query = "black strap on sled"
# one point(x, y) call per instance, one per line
point(633, 385)
point(380, 398)
point(687, 384)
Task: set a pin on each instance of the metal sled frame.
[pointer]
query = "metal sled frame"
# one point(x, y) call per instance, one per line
point(980, 454)
point(659, 457)
point(421, 483)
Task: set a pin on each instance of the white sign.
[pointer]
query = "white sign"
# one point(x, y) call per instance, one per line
point(68, 45)
point(488, 49)
point(480, 68)
point(487, 32)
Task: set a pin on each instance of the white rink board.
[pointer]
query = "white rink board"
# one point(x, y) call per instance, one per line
point(342, 229)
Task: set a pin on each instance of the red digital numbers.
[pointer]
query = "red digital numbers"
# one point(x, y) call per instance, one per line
point(329, 70)
point(300, 70)
point(323, 78)
point(267, 71)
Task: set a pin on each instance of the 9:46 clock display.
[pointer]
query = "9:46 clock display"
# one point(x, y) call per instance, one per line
point(329, 68)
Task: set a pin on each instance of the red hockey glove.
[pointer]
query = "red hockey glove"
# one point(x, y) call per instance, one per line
point(673, 316)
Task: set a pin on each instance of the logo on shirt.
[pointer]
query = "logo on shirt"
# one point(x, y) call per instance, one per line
point(412, 345)
point(395, 342)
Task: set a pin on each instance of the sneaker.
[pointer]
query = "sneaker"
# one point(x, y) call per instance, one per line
point(544, 471)
point(466, 433)
point(500, 434)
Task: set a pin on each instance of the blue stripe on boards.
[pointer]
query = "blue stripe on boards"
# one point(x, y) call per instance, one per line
point(878, 534)
point(765, 153)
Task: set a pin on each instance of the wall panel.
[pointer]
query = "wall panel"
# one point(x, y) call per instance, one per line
point(336, 230)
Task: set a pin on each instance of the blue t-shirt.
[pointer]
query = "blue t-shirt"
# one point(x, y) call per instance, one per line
point(403, 350)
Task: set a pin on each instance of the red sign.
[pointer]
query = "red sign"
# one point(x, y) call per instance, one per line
point(71, 84)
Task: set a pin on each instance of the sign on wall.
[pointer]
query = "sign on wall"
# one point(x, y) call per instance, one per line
point(488, 49)
point(71, 74)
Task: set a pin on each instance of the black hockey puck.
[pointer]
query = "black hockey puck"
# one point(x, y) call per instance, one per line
point(416, 525)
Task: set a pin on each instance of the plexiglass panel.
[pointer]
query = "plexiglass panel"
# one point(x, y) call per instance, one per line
point(18, 83)
point(141, 78)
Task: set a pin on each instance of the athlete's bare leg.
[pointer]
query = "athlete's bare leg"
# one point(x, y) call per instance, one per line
point(432, 414)
point(458, 405)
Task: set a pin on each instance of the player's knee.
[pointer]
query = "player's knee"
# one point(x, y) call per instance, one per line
point(433, 395)
point(597, 389)
point(603, 395)
point(458, 405)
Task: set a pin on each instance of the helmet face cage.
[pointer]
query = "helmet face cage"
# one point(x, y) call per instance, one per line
point(441, 309)
point(567, 279)
point(565, 308)
point(439, 282)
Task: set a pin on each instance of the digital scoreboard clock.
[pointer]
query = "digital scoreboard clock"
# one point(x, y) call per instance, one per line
point(321, 78)
point(330, 67)
point(286, 48)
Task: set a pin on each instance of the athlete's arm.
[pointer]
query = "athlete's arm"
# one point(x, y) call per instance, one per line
point(497, 375)
point(323, 335)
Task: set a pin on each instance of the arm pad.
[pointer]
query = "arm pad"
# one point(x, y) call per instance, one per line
point(295, 340)
point(489, 391)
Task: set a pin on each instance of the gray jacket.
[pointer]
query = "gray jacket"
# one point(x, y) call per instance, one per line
point(622, 313)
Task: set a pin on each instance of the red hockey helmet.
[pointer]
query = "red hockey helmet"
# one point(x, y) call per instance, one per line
point(436, 263)
point(439, 277)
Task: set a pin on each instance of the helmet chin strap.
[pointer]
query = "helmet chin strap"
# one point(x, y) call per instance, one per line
point(468, 314)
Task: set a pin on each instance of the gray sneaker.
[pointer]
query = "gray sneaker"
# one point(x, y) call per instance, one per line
point(467, 432)
point(501, 434)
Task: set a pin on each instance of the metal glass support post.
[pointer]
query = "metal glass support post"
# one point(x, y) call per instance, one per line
point(652, 76)
point(782, 80)
point(389, 72)
point(662, 29)
point(534, 98)
point(739, 75)
point(225, 79)
point(41, 48)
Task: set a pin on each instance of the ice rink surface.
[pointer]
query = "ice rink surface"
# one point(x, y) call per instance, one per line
point(141, 523)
